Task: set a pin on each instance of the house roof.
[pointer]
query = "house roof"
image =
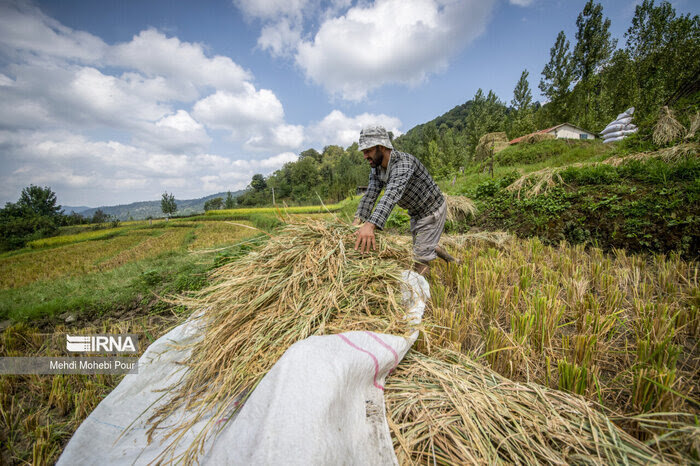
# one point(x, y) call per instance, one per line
point(548, 130)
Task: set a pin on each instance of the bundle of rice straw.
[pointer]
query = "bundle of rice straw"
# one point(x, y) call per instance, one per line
point(498, 141)
point(307, 280)
point(694, 126)
point(449, 410)
point(667, 128)
point(459, 208)
point(497, 239)
point(538, 182)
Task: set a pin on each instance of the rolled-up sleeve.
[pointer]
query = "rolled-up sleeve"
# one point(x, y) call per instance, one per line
point(364, 209)
point(398, 180)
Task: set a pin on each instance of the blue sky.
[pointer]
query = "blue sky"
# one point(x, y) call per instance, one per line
point(113, 102)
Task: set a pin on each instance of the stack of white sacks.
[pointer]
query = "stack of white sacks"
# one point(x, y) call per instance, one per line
point(620, 128)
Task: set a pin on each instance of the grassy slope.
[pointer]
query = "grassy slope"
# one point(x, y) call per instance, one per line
point(641, 206)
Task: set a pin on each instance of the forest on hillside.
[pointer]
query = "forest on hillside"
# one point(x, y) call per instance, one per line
point(588, 80)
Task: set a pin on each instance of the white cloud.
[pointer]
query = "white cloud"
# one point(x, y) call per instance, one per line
point(279, 160)
point(71, 163)
point(26, 29)
point(337, 128)
point(225, 110)
point(185, 64)
point(280, 38)
point(254, 117)
point(521, 2)
point(390, 41)
point(270, 9)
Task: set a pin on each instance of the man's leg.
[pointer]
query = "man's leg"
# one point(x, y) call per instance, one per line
point(444, 255)
point(426, 235)
point(421, 268)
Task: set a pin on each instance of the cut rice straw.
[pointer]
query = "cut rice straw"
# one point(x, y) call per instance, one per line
point(667, 128)
point(260, 305)
point(450, 410)
point(459, 208)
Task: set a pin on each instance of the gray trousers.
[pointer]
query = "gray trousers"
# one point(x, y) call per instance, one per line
point(426, 233)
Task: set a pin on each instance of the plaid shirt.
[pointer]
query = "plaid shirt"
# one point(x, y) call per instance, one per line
point(408, 184)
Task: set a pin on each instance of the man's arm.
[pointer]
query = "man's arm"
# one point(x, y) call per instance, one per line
point(364, 208)
point(398, 180)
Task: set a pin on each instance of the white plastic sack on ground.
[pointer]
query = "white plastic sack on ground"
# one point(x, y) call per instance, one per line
point(619, 138)
point(618, 134)
point(618, 127)
point(621, 121)
point(321, 403)
point(627, 113)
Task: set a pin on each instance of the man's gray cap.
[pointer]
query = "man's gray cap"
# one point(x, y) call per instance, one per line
point(374, 136)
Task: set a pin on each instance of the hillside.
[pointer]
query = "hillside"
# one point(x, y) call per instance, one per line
point(144, 209)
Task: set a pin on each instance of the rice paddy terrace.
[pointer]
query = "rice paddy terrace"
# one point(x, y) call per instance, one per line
point(531, 351)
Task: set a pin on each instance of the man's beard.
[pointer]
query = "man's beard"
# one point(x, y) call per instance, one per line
point(376, 158)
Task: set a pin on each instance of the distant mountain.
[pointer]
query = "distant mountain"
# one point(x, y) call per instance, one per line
point(144, 209)
point(452, 119)
point(77, 209)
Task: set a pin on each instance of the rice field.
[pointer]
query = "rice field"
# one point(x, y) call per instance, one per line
point(39, 413)
point(63, 261)
point(217, 233)
point(101, 250)
point(529, 354)
point(311, 209)
point(74, 238)
point(620, 330)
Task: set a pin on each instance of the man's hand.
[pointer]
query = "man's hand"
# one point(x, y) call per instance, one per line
point(365, 238)
point(357, 221)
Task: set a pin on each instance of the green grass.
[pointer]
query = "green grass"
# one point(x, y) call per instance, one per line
point(527, 158)
point(75, 238)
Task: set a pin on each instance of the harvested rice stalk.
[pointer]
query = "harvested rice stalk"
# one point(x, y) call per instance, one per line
point(459, 208)
point(306, 280)
point(450, 410)
point(667, 128)
point(496, 239)
point(694, 126)
point(538, 182)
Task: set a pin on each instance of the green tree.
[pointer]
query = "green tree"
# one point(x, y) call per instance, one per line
point(230, 202)
point(40, 201)
point(665, 50)
point(487, 115)
point(99, 217)
point(593, 49)
point(522, 116)
point(168, 205)
point(213, 204)
point(313, 153)
point(258, 182)
point(557, 78)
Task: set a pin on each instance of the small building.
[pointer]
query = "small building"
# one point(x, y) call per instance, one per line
point(562, 131)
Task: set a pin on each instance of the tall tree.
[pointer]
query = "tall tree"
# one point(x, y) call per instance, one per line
point(230, 202)
point(557, 77)
point(40, 201)
point(666, 52)
point(168, 205)
point(258, 182)
point(522, 118)
point(593, 49)
point(487, 115)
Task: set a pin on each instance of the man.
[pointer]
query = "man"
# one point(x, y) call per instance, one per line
point(406, 182)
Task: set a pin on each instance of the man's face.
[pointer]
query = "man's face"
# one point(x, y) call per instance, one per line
point(374, 155)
